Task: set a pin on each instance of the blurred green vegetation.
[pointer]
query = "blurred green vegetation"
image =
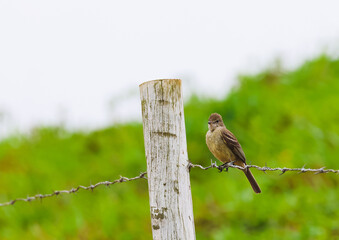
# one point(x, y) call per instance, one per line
point(284, 119)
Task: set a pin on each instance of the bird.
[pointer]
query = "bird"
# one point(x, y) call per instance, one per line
point(225, 147)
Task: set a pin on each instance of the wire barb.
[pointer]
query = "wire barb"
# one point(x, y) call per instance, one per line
point(73, 190)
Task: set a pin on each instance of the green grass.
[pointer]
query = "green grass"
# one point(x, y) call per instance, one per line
point(281, 119)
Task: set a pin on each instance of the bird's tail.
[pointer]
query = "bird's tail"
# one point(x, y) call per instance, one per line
point(252, 181)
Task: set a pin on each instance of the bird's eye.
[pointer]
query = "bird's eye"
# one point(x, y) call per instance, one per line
point(217, 121)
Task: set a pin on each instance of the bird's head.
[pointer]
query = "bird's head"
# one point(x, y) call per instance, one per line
point(214, 121)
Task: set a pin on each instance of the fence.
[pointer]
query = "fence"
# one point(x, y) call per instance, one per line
point(168, 166)
point(143, 176)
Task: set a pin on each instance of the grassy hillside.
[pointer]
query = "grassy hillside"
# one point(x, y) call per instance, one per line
point(281, 119)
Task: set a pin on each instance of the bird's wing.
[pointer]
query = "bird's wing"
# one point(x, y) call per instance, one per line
point(232, 143)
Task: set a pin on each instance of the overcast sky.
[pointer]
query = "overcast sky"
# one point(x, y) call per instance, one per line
point(80, 62)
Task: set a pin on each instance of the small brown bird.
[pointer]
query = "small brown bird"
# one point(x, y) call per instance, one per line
point(225, 147)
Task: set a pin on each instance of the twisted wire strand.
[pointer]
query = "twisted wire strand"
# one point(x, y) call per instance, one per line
point(264, 169)
point(74, 190)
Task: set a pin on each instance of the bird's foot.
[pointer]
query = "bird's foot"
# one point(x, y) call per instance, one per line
point(225, 166)
point(222, 167)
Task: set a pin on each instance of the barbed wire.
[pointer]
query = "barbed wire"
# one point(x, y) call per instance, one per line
point(264, 169)
point(74, 190)
point(222, 167)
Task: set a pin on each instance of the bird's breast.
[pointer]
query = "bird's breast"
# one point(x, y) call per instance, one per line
point(218, 147)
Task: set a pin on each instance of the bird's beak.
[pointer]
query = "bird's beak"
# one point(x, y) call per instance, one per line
point(209, 122)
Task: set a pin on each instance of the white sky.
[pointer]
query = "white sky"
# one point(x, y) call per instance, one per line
point(71, 61)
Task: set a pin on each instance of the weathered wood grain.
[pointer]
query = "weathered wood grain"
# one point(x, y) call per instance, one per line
point(166, 154)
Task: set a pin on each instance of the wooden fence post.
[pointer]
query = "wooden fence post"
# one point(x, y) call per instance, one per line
point(167, 160)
